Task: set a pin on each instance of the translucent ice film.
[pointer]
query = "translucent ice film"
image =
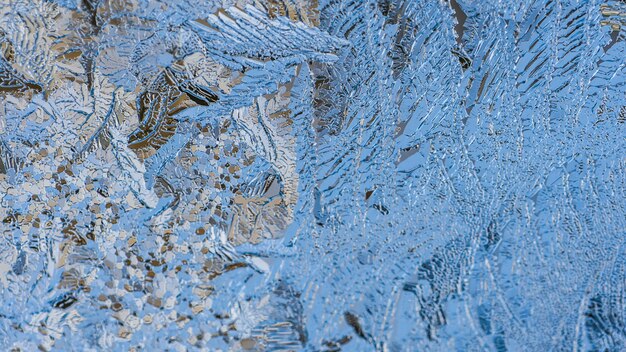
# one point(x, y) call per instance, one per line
point(313, 175)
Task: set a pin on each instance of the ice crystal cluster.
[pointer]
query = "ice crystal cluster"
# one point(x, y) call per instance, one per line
point(312, 175)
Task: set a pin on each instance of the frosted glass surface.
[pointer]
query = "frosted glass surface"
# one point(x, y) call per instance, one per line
point(312, 175)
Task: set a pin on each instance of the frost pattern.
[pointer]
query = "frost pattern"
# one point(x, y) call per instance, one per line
point(332, 175)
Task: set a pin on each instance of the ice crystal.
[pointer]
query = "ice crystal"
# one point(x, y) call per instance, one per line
point(315, 175)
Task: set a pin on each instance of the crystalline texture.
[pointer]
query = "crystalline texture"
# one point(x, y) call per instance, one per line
point(315, 175)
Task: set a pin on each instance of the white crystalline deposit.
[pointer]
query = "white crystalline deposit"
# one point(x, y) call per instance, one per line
point(315, 175)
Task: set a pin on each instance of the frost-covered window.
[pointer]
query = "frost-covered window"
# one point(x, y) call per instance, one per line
point(312, 175)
